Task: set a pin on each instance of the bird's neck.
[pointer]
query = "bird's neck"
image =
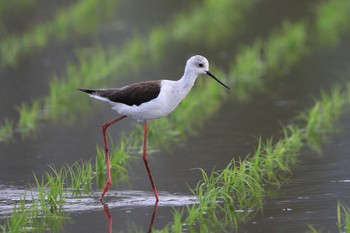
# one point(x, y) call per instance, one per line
point(187, 81)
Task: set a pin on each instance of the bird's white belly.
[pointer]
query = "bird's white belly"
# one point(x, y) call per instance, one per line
point(161, 106)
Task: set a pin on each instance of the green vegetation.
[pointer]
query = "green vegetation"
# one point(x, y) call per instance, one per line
point(270, 58)
point(98, 69)
point(29, 118)
point(83, 17)
point(119, 157)
point(343, 216)
point(332, 20)
point(189, 28)
point(235, 192)
point(225, 196)
point(321, 117)
point(343, 220)
point(6, 130)
point(81, 175)
point(45, 208)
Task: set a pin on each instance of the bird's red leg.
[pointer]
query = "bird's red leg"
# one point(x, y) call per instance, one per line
point(144, 157)
point(108, 166)
point(109, 217)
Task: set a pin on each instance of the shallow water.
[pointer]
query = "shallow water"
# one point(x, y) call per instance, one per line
point(309, 197)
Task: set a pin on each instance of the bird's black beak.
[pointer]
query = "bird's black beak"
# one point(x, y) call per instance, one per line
point(211, 75)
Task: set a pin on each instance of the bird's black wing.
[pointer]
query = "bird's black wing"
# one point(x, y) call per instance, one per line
point(133, 94)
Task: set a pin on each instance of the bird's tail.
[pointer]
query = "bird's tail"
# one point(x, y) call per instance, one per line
point(89, 91)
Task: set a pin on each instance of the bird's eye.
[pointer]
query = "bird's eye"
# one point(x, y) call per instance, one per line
point(200, 65)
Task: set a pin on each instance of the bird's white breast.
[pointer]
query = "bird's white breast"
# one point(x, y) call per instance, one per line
point(168, 99)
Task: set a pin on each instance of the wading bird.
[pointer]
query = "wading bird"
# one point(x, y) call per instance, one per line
point(149, 100)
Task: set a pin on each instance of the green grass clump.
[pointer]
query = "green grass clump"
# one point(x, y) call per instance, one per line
point(332, 20)
point(19, 218)
point(343, 220)
point(268, 58)
point(6, 130)
point(343, 216)
point(82, 17)
point(205, 18)
point(81, 175)
point(44, 209)
point(119, 157)
point(56, 183)
point(236, 187)
point(319, 120)
point(29, 118)
point(247, 70)
point(285, 48)
point(230, 195)
point(274, 159)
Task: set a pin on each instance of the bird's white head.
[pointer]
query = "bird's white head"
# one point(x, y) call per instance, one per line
point(199, 65)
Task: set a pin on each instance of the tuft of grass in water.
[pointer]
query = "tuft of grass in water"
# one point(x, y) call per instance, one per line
point(227, 13)
point(285, 48)
point(236, 188)
point(118, 159)
point(29, 117)
point(18, 219)
point(247, 70)
point(332, 20)
point(55, 187)
point(6, 130)
point(319, 119)
point(271, 57)
point(343, 217)
point(45, 208)
point(81, 175)
point(274, 159)
point(82, 17)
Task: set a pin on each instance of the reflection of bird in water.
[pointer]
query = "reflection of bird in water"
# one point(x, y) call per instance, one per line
point(110, 219)
point(147, 101)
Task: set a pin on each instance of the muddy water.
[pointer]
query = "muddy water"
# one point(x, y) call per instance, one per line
point(310, 196)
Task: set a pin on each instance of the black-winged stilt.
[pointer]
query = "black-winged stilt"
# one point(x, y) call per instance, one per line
point(149, 100)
